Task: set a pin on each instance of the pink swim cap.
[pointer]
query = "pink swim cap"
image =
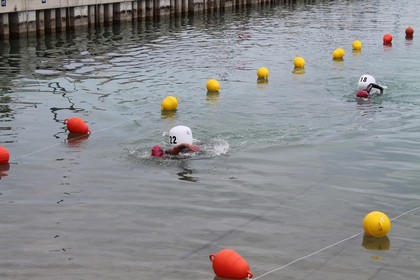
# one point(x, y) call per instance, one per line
point(157, 151)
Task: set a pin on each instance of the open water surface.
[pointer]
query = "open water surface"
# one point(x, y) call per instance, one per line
point(289, 167)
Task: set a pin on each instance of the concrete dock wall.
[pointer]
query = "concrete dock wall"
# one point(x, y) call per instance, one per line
point(27, 18)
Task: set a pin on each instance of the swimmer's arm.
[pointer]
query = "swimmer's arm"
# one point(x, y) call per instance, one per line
point(178, 149)
point(370, 86)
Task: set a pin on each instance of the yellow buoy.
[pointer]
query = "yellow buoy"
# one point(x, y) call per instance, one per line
point(376, 224)
point(263, 73)
point(213, 85)
point(169, 103)
point(299, 62)
point(357, 45)
point(338, 54)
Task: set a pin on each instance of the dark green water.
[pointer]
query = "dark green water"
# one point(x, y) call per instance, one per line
point(289, 167)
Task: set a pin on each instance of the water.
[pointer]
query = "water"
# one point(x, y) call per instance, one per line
point(290, 167)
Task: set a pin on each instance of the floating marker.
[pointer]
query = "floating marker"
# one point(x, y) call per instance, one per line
point(388, 39)
point(299, 62)
point(213, 86)
point(77, 125)
point(263, 73)
point(357, 45)
point(4, 155)
point(229, 264)
point(376, 224)
point(409, 32)
point(338, 54)
point(169, 103)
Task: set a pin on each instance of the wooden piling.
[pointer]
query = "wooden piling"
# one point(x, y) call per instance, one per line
point(35, 18)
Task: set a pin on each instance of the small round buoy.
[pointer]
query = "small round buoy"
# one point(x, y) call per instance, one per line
point(409, 32)
point(180, 134)
point(76, 125)
point(229, 264)
point(338, 54)
point(4, 155)
point(169, 103)
point(387, 39)
point(213, 85)
point(263, 73)
point(299, 62)
point(376, 224)
point(362, 94)
point(357, 45)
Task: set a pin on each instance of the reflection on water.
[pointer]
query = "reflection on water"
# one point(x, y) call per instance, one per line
point(3, 170)
point(213, 98)
point(76, 139)
point(298, 70)
point(168, 114)
point(185, 175)
point(376, 243)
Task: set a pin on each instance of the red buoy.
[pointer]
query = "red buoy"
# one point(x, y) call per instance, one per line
point(4, 155)
point(229, 264)
point(387, 39)
point(362, 94)
point(77, 125)
point(409, 32)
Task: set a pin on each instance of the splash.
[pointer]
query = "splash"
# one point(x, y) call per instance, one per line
point(215, 147)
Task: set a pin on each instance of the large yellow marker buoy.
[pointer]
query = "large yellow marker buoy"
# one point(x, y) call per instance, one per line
point(376, 224)
point(357, 45)
point(263, 73)
point(338, 54)
point(213, 86)
point(299, 62)
point(169, 103)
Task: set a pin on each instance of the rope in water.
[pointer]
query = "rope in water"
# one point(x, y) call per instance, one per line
point(75, 138)
point(327, 247)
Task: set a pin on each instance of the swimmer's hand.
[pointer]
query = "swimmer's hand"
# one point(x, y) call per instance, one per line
point(178, 149)
point(193, 148)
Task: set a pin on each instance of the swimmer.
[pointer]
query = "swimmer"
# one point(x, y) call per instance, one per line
point(366, 84)
point(365, 93)
point(178, 150)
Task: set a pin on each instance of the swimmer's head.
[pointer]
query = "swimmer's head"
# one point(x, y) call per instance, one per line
point(180, 134)
point(157, 151)
point(364, 81)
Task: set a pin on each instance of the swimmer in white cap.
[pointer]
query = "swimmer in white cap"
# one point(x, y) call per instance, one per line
point(180, 137)
point(366, 85)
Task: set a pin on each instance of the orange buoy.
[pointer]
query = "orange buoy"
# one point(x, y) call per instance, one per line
point(77, 125)
point(387, 39)
point(409, 32)
point(229, 264)
point(4, 155)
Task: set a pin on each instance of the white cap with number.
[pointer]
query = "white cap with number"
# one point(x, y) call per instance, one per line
point(364, 81)
point(180, 134)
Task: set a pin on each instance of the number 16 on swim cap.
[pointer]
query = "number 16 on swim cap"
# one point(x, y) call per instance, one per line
point(180, 134)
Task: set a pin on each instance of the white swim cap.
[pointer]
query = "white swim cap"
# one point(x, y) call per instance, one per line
point(180, 134)
point(364, 81)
